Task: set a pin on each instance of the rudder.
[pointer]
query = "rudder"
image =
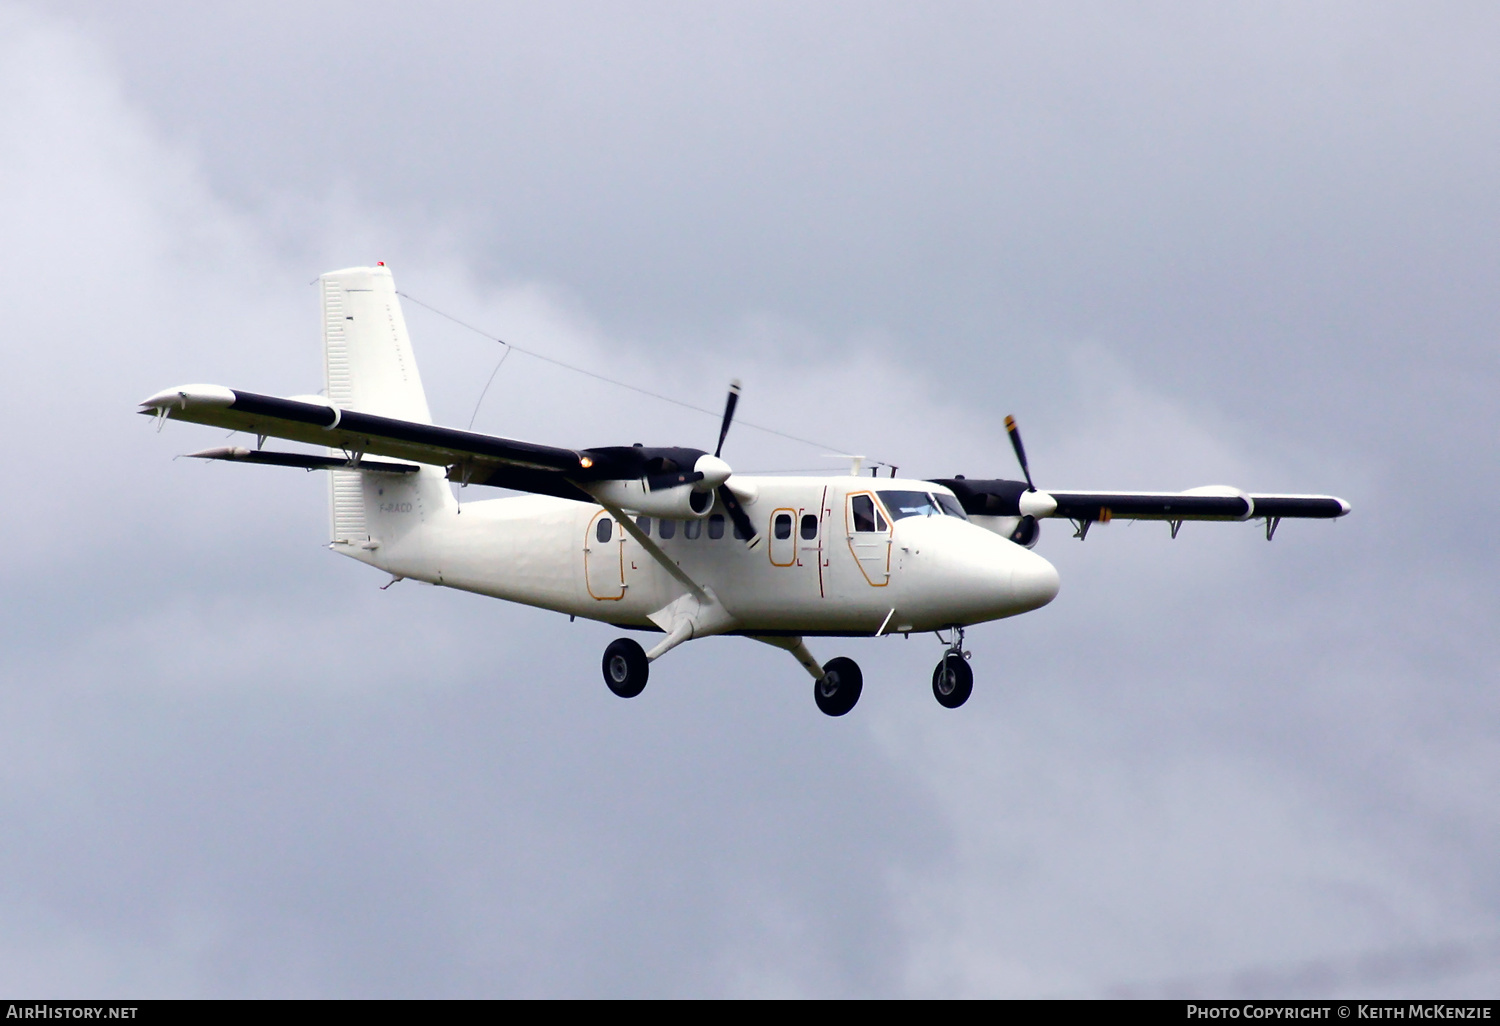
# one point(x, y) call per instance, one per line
point(368, 365)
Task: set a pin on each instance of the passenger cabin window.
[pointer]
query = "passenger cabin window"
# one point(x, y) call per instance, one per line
point(644, 523)
point(605, 529)
point(667, 528)
point(783, 526)
point(716, 526)
point(809, 527)
point(692, 529)
point(739, 532)
point(866, 516)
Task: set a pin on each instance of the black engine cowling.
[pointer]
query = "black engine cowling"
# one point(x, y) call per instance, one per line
point(995, 504)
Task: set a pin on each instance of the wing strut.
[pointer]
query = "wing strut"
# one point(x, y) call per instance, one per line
point(666, 561)
point(697, 614)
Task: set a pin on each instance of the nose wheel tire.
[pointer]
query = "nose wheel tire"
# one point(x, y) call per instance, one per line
point(952, 681)
point(626, 668)
point(839, 687)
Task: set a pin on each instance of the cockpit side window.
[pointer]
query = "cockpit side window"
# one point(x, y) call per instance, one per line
point(863, 508)
point(950, 505)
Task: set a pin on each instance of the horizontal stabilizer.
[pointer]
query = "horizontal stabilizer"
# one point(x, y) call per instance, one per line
point(238, 454)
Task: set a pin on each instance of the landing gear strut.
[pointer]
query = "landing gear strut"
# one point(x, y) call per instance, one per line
point(836, 684)
point(953, 681)
point(839, 687)
point(626, 667)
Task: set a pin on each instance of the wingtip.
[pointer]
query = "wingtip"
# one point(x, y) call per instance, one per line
point(188, 395)
point(227, 452)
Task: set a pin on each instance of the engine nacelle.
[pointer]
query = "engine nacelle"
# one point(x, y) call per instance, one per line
point(1024, 530)
point(681, 503)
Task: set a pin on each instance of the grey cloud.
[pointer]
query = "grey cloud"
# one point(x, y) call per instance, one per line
point(1251, 244)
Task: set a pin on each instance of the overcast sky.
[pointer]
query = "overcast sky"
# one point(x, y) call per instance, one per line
point(1184, 244)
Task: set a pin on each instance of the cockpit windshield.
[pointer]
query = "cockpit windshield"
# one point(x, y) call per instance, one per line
point(904, 504)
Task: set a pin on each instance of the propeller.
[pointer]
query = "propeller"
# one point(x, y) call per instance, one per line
point(742, 525)
point(1015, 443)
point(729, 405)
point(656, 482)
point(1032, 503)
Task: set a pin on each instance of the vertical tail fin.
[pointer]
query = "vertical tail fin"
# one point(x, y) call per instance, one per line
point(368, 360)
point(368, 366)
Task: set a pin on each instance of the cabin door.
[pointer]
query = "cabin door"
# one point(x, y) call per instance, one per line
point(869, 535)
point(796, 542)
point(604, 558)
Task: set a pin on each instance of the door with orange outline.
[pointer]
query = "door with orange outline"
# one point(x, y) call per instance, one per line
point(604, 558)
point(795, 535)
point(869, 534)
point(783, 537)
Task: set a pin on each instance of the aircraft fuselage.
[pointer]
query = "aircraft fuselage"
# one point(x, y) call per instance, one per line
point(837, 555)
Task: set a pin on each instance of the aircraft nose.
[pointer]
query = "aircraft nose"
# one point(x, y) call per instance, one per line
point(1034, 582)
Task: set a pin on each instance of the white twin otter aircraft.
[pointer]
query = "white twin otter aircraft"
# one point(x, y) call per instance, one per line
point(667, 539)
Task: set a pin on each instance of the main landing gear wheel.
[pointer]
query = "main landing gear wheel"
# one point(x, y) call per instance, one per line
point(952, 681)
point(839, 687)
point(626, 668)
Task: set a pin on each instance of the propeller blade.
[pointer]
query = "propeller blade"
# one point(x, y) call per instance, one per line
point(656, 482)
point(1015, 443)
point(737, 514)
point(729, 405)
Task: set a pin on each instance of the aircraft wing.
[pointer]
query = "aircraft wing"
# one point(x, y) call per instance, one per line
point(476, 458)
point(1215, 502)
point(1197, 504)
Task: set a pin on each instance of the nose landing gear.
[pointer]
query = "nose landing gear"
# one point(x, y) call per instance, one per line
point(953, 681)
